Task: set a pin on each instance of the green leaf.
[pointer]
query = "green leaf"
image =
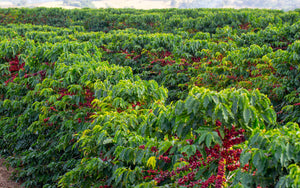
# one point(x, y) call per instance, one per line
point(180, 129)
point(179, 108)
point(246, 115)
point(258, 160)
point(132, 177)
point(139, 156)
point(189, 104)
point(215, 99)
point(245, 157)
point(206, 101)
point(189, 150)
point(234, 106)
point(196, 107)
point(208, 140)
point(165, 146)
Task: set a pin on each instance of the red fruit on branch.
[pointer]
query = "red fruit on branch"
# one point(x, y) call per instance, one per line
point(210, 180)
point(105, 186)
point(220, 179)
point(52, 108)
point(246, 167)
point(46, 120)
point(154, 149)
point(166, 159)
point(190, 141)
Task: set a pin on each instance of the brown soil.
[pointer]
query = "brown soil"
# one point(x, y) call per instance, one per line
point(5, 181)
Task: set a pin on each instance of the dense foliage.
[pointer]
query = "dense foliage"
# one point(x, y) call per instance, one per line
point(131, 98)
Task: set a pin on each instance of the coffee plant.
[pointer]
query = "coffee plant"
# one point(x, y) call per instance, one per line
point(150, 98)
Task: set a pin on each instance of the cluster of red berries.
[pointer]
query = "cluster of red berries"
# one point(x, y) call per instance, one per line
point(183, 70)
point(137, 104)
point(105, 186)
point(166, 159)
point(154, 149)
point(11, 79)
point(188, 178)
point(184, 62)
point(64, 92)
point(232, 77)
point(209, 181)
point(164, 54)
point(86, 118)
point(136, 57)
point(42, 73)
point(46, 120)
point(226, 157)
point(164, 175)
point(88, 97)
point(53, 109)
point(196, 59)
point(128, 56)
point(218, 123)
point(220, 179)
point(163, 62)
point(106, 158)
point(151, 174)
point(50, 64)
point(233, 137)
point(14, 67)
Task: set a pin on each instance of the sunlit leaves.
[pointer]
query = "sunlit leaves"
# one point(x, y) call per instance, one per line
point(270, 150)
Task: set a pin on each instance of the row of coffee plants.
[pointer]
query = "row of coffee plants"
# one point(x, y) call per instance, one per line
point(177, 60)
point(82, 109)
point(47, 96)
point(157, 20)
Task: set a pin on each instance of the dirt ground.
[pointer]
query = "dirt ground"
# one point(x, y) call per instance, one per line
point(5, 181)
